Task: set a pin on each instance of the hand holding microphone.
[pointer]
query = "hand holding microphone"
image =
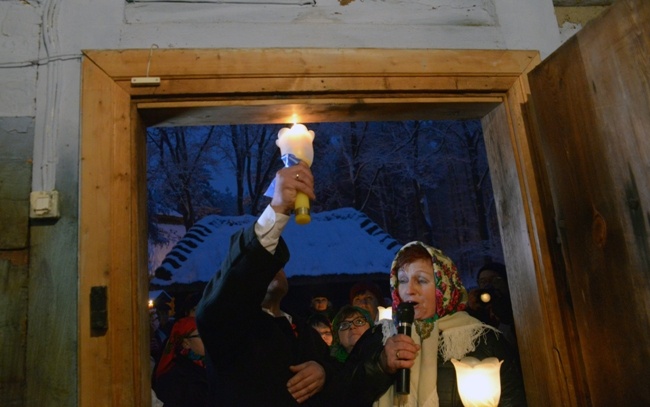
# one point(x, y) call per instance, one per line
point(405, 316)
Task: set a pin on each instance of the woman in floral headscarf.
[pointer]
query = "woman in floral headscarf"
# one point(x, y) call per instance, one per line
point(443, 330)
point(181, 379)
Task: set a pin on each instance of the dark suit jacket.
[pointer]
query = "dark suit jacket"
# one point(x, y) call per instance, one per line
point(249, 351)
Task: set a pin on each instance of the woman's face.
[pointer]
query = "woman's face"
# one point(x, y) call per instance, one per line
point(349, 337)
point(417, 284)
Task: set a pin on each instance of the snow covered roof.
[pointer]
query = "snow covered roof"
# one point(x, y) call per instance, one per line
point(342, 241)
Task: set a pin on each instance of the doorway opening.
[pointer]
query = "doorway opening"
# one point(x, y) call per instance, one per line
point(386, 183)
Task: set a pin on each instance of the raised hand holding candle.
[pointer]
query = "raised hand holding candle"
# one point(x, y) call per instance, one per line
point(297, 141)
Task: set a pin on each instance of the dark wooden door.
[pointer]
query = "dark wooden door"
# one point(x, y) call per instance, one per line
point(591, 103)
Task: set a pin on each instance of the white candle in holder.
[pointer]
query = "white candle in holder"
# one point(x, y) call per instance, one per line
point(297, 141)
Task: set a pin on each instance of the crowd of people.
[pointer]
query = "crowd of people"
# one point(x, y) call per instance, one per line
point(238, 347)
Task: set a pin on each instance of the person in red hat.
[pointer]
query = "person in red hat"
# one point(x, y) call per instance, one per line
point(180, 379)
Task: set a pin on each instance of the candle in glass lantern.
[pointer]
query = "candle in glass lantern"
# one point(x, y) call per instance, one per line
point(479, 383)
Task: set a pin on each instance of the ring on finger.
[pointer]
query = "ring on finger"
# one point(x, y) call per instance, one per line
point(297, 176)
point(397, 355)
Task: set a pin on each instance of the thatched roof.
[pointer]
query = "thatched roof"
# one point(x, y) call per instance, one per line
point(343, 241)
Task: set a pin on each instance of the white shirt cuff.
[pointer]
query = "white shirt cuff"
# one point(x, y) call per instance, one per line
point(269, 227)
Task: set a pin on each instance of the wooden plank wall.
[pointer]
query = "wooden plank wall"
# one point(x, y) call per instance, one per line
point(593, 104)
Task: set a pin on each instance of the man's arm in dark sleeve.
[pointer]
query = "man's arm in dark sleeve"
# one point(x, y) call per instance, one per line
point(239, 286)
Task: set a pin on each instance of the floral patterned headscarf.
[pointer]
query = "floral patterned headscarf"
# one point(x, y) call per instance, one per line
point(451, 295)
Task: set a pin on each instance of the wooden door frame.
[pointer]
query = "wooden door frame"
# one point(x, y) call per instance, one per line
point(315, 83)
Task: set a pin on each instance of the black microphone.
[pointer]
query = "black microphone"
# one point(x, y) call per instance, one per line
point(405, 315)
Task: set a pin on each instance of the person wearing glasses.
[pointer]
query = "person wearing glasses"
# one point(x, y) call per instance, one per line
point(256, 356)
point(181, 378)
point(349, 324)
point(358, 344)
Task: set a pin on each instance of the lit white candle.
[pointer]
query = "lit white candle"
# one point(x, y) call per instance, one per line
point(297, 140)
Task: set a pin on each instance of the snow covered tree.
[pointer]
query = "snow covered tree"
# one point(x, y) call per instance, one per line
point(179, 172)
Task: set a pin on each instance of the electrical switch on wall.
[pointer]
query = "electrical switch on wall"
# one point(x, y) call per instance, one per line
point(44, 204)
